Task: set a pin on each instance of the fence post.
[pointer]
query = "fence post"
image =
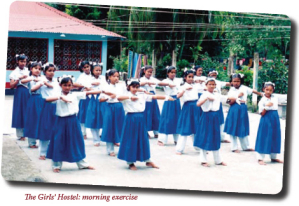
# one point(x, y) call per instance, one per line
point(255, 79)
point(153, 63)
point(230, 68)
point(173, 58)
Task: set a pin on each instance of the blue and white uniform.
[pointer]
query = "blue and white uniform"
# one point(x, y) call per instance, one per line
point(237, 120)
point(152, 111)
point(33, 111)
point(84, 80)
point(268, 140)
point(114, 116)
point(207, 136)
point(170, 112)
point(188, 120)
point(134, 144)
point(20, 100)
point(67, 143)
point(94, 115)
point(47, 117)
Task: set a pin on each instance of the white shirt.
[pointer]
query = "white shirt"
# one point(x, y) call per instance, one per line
point(233, 92)
point(200, 86)
point(116, 89)
point(189, 95)
point(266, 100)
point(151, 80)
point(174, 90)
point(138, 105)
point(84, 79)
point(64, 109)
point(48, 91)
point(219, 85)
point(17, 73)
point(101, 80)
point(210, 105)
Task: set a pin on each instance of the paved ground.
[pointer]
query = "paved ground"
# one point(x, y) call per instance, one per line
point(242, 174)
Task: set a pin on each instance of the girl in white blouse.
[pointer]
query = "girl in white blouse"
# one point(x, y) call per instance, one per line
point(114, 114)
point(134, 141)
point(268, 140)
point(94, 114)
point(189, 117)
point(171, 109)
point(35, 103)
point(207, 135)
point(47, 117)
point(237, 120)
point(83, 82)
point(67, 143)
point(21, 95)
point(152, 111)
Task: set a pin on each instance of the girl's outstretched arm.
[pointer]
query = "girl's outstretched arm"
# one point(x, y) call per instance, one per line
point(231, 100)
point(163, 97)
point(201, 102)
point(13, 83)
point(258, 93)
point(52, 99)
point(36, 87)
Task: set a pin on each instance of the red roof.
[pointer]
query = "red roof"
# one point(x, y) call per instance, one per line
point(39, 17)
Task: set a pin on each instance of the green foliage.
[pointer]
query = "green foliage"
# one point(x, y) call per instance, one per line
point(248, 75)
point(276, 72)
point(120, 63)
point(180, 65)
point(160, 69)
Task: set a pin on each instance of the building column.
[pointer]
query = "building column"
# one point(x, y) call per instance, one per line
point(50, 50)
point(104, 56)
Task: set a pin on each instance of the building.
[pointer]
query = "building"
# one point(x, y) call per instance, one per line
point(46, 34)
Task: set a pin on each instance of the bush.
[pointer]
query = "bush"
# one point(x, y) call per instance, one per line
point(120, 63)
point(248, 75)
point(180, 65)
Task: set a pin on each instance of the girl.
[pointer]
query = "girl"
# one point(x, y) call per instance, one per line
point(94, 116)
point(134, 142)
point(21, 95)
point(171, 109)
point(47, 117)
point(83, 82)
point(152, 111)
point(35, 103)
point(199, 81)
point(269, 135)
point(67, 143)
point(114, 114)
point(219, 85)
point(189, 116)
point(237, 121)
point(207, 136)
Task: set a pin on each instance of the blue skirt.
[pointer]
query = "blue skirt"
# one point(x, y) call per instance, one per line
point(207, 136)
point(152, 115)
point(67, 143)
point(237, 121)
point(220, 113)
point(200, 109)
point(170, 116)
point(94, 116)
point(188, 120)
point(134, 144)
point(33, 113)
point(83, 104)
point(20, 100)
point(268, 138)
point(113, 122)
point(47, 121)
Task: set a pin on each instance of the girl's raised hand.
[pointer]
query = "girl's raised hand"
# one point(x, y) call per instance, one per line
point(151, 83)
point(133, 98)
point(210, 98)
point(113, 96)
point(171, 85)
point(189, 88)
point(36, 80)
point(65, 100)
point(171, 99)
point(269, 104)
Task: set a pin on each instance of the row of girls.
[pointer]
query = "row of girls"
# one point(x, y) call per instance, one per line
point(67, 142)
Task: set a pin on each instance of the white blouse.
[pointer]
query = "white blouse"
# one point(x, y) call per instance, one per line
point(266, 100)
point(17, 73)
point(189, 95)
point(200, 86)
point(233, 92)
point(172, 91)
point(101, 80)
point(64, 109)
point(138, 105)
point(49, 92)
point(84, 79)
point(147, 87)
point(210, 105)
point(116, 89)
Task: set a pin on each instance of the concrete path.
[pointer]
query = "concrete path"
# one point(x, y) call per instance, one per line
point(243, 174)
